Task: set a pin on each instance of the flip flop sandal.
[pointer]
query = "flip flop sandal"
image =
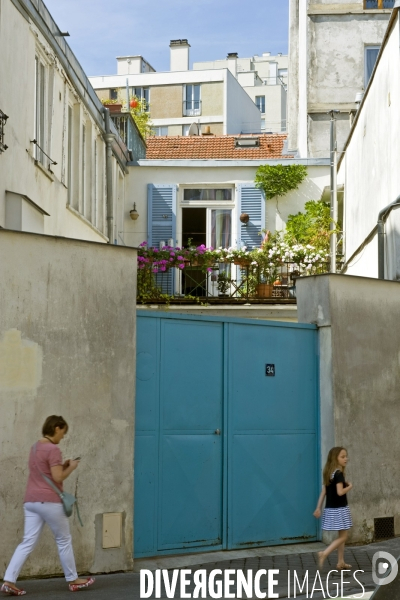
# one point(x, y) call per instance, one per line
point(75, 587)
point(6, 589)
point(343, 567)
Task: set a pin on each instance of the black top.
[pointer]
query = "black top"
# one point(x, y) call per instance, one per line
point(332, 498)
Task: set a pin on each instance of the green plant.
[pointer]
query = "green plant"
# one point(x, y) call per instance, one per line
point(278, 180)
point(311, 226)
point(114, 101)
point(223, 282)
point(139, 109)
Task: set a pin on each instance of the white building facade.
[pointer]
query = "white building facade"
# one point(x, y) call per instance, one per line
point(369, 170)
point(64, 170)
point(264, 78)
point(211, 98)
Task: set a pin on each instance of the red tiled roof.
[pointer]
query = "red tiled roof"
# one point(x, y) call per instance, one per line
point(215, 146)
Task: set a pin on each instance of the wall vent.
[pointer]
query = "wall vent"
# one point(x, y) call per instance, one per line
point(384, 528)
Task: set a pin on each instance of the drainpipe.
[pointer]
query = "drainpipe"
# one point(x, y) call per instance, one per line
point(109, 138)
point(383, 215)
point(334, 202)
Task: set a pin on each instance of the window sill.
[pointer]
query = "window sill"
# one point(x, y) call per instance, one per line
point(47, 172)
point(87, 222)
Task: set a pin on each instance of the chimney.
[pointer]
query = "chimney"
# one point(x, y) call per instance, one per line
point(232, 62)
point(179, 53)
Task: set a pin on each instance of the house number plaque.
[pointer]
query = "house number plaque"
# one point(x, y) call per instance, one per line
point(270, 370)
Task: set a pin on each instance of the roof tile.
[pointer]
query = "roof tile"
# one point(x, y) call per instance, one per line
point(215, 147)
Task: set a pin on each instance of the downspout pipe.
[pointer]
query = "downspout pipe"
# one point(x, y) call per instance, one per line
point(383, 215)
point(109, 138)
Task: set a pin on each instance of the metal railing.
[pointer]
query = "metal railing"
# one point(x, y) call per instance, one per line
point(191, 108)
point(224, 283)
point(3, 120)
point(129, 134)
point(378, 4)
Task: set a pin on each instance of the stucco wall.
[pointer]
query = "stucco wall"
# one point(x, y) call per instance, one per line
point(327, 42)
point(67, 346)
point(212, 98)
point(242, 115)
point(369, 170)
point(360, 381)
point(277, 210)
point(166, 101)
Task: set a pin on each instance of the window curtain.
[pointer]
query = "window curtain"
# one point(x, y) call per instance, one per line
point(221, 226)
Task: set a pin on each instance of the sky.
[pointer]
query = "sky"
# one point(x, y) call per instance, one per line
point(101, 30)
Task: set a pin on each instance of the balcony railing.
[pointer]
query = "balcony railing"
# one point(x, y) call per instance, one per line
point(377, 4)
point(223, 284)
point(191, 108)
point(128, 132)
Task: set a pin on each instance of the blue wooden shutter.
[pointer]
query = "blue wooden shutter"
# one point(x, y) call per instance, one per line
point(251, 200)
point(161, 209)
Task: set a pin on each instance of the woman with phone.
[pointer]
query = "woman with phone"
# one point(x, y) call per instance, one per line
point(43, 505)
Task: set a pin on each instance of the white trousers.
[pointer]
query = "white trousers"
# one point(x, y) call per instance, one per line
point(36, 515)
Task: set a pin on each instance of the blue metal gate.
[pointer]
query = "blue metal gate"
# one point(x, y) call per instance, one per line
point(226, 450)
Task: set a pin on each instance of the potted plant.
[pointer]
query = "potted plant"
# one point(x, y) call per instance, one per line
point(114, 106)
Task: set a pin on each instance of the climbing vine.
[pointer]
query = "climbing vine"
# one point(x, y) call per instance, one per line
point(278, 180)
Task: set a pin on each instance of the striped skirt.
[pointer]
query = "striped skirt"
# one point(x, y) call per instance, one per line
point(336, 519)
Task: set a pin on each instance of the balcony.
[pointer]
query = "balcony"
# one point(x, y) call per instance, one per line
point(191, 108)
point(378, 4)
point(129, 134)
point(222, 283)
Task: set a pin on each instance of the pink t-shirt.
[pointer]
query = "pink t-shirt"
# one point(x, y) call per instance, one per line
point(38, 490)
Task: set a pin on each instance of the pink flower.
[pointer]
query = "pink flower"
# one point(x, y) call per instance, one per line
point(181, 266)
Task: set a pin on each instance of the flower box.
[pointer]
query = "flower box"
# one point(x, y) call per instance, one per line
point(114, 108)
point(242, 262)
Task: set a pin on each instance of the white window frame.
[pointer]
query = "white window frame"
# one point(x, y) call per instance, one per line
point(157, 129)
point(255, 102)
point(40, 113)
point(191, 112)
point(366, 48)
point(209, 205)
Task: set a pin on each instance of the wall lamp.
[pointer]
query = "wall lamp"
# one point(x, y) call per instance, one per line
point(134, 213)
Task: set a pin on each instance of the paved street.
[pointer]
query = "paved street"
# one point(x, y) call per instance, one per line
point(126, 585)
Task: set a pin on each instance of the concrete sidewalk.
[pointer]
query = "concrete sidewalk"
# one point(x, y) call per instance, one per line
point(300, 558)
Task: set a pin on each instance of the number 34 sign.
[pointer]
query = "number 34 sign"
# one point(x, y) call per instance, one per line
point(270, 370)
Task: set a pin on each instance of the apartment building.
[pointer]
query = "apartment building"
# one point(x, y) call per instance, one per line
point(264, 78)
point(333, 46)
point(212, 99)
point(63, 163)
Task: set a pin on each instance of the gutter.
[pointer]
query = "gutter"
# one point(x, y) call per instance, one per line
point(109, 140)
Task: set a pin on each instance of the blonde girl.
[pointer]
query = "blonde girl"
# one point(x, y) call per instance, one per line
point(336, 515)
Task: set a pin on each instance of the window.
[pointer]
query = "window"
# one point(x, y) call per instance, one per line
point(371, 54)
point(142, 93)
point(83, 166)
point(262, 124)
point(69, 180)
point(159, 131)
point(260, 103)
point(40, 110)
point(191, 101)
point(373, 4)
point(185, 129)
point(207, 194)
point(114, 94)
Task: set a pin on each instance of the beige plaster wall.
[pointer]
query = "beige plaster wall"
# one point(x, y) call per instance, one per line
point(67, 346)
point(166, 102)
point(360, 381)
point(212, 98)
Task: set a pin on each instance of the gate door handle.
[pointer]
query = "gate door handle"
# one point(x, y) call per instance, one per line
point(217, 432)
